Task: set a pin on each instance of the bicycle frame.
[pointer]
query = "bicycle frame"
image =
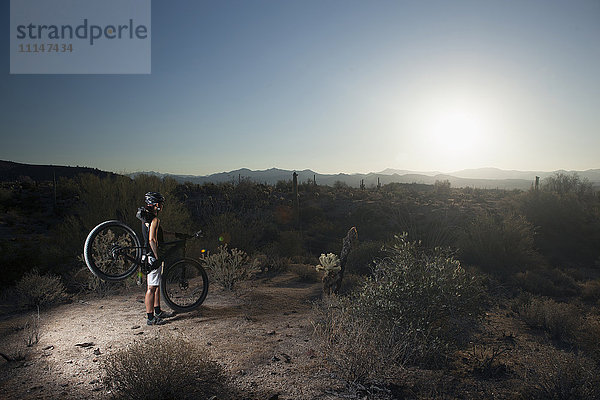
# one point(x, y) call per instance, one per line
point(174, 245)
point(113, 251)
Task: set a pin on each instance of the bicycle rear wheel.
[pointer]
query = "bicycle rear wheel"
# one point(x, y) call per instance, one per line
point(112, 251)
point(184, 285)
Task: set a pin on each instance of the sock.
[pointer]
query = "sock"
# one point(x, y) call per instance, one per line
point(150, 316)
point(156, 310)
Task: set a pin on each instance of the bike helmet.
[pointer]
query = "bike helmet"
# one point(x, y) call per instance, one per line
point(154, 198)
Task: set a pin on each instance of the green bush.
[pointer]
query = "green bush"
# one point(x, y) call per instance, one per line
point(499, 244)
point(565, 213)
point(428, 299)
point(37, 290)
point(361, 259)
point(164, 368)
point(416, 309)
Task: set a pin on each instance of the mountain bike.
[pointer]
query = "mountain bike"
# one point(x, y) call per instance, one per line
point(113, 252)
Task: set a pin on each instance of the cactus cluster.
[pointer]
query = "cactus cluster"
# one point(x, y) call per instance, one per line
point(330, 263)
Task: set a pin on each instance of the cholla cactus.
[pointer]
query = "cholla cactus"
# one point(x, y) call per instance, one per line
point(228, 266)
point(330, 263)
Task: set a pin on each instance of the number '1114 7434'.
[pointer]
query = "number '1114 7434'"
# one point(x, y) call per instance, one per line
point(46, 48)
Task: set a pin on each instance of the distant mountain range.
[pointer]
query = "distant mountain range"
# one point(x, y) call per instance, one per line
point(485, 178)
point(12, 171)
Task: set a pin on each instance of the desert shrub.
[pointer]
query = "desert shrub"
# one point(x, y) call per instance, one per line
point(32, 330)
point(306, 273)
point(560, 320)
point(361, 259)
point(37, 290)
point(563, 184)
point(429, 300)
point(351, 283)
point(16, 258)
point(546, 282)
point(164, 368)
point(590, 291)
point(487, 360)
point(6, 196)
point(567, 223)
point(339, 185)
point(563, 376)
point(442, 187)
point(227, 267)
point(83, 280)
point(101, 199)
point(498, 243)
point(416, 309)
point(434, 227)
point(352, 344)
point(290, 244)
point(589, 339)
point(276, 264)
point(228, 229)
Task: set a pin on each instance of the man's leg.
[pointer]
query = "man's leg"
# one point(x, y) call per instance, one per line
point(157, 297)
point(150, 299)
point(151, 294)
point(153, 298)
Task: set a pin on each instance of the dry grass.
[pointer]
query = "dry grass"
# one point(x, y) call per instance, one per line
point(164, 368)
point(562, 376)
point(561, 321)
point(37, 290)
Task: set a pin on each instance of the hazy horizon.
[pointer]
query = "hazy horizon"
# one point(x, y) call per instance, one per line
point(331, 86)
point(386, 171)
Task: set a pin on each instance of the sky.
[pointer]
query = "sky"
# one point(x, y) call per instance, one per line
point(329, 85)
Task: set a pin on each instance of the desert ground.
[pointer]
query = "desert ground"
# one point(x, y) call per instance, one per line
point(261, 334)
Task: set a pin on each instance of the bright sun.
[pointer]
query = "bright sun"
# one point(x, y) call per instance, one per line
point(456, 134)
point(451, 130)
point(456, 130)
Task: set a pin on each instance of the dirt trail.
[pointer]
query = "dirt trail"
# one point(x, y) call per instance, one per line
point(262, 336)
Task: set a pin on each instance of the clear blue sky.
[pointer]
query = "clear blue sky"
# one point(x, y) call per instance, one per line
point(330, 85)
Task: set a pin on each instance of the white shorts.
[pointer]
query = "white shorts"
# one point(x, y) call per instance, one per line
point(153, 277)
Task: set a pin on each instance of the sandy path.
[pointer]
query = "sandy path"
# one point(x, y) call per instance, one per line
point(262, 336)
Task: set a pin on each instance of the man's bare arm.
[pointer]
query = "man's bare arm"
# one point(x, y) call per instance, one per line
point(153, 236)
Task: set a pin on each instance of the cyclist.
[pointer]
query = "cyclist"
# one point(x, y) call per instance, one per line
point(153, 235)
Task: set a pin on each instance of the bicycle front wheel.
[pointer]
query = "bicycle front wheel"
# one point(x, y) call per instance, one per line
point(184, 285)
point(112, 251)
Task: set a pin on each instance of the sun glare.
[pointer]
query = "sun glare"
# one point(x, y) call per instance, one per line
point(454, 133)
point(456, 130)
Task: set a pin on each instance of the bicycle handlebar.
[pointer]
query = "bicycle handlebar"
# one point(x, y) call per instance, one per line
point(180, 235)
